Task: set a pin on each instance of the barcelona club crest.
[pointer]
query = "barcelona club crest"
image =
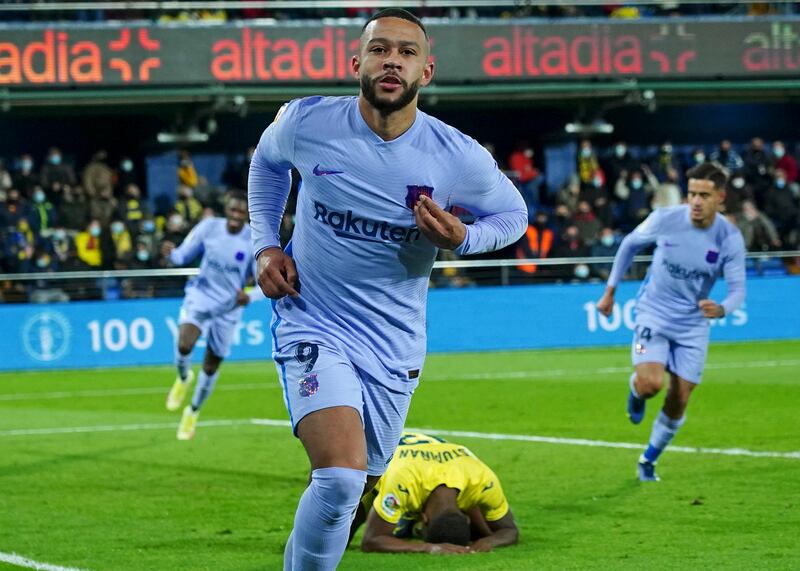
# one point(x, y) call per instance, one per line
point(712, 256)
point(415, 191)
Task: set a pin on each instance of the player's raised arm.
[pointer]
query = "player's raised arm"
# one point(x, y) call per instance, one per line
point(190, 248)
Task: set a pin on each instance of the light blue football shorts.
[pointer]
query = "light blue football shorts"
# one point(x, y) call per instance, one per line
point(681, 350)
point(316, 376)
point(216, 325)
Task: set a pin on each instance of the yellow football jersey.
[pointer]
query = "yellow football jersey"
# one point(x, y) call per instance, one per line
point(420, 464)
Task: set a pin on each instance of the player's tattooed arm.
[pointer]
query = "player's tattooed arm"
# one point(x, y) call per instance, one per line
point(440, 227)
point(277, 274)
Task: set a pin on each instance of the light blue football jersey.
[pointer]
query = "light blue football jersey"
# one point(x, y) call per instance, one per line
point(686, 264)
point(362, 263)
point(226, 266)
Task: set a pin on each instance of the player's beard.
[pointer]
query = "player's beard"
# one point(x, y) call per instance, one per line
point(386, 107)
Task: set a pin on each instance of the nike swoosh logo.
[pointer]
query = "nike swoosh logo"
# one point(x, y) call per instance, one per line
point(322, 172)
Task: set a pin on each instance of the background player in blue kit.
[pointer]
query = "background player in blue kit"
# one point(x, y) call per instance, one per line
point(351, 288)
point(694, 246)
point(213, 302)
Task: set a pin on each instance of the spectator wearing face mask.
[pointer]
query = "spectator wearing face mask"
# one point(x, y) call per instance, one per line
point(139, 287)
point(60, 246)
point(73, 212)
point(696, 157)
point(25, 179)
point(633, 195)
point(620, 161)
point(188, 206)
point(13, 209)
point(175, 229)
point(570, 245)
point(727, 157)
point(758, 231)
point(149, 235)
point(125, 176)
point(606, 245)
point(55, 174)
point(757, 166)
point(88, 245)
point(737, 192)
point(784, 161)
point(597, 195)
point(43, 213)
point(98, 177)
point(781, 207)
point(530, 179)
point(123, 244)
point(587, 162)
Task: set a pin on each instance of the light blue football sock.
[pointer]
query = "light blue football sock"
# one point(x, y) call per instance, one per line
point(205, 384)
point(287, 553)
point(664, 430)
point(633, 386)
point(323, 517)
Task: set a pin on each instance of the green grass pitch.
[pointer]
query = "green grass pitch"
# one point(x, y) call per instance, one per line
point(122, 493)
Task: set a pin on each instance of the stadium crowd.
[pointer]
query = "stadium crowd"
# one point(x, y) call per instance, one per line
point(54, 217)
point(521, 10)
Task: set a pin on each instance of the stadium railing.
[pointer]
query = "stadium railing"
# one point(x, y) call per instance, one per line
point(169, 282)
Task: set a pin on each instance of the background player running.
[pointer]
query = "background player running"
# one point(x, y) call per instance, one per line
point(694, 246)
point(213, 303)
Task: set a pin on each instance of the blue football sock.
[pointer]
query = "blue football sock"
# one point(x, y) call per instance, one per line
point(323, 517)
point(664, 430)
point(205, 384)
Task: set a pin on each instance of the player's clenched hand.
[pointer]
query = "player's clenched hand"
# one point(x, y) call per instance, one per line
point(440, 227)
point(242, 298)
point(447, 548)
point(166, 248)
point(710, 308)
point(605, 305)
point(277, 274)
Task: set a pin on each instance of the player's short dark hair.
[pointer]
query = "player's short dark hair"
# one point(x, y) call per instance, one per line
point(396, 13)
point(712, 171)
point(235, 194)
point(448, 527)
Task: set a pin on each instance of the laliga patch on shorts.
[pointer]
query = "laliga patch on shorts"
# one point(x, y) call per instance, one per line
point(712, 256)
point(640, 349)
point(308, 385)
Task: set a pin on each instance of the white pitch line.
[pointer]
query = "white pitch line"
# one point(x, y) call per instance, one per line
point(19, 561)
point(606, 444)
point(456, 433)
point(125, 392)
point(496, 376)
point(116, 427)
